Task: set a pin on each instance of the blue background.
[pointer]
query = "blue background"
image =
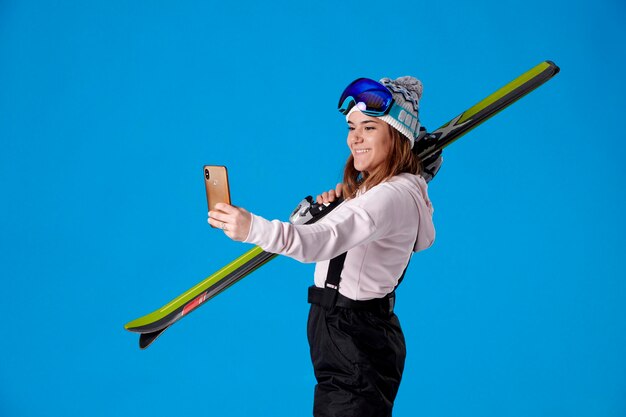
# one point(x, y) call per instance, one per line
point(108, 110)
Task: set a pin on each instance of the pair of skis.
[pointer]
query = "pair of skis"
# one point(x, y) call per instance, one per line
point(428, 148)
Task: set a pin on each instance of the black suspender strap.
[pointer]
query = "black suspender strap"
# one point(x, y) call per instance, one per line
point(333, 277)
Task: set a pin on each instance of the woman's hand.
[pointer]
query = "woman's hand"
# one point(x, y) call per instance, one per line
point(234, 221)
point(329, 196)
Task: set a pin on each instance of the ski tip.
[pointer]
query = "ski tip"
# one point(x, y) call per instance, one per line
point(131, 328)
point(557, 69)
point(146, 339)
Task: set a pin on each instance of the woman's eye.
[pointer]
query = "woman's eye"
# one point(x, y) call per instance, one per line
point(370, 128)
point(350, 128)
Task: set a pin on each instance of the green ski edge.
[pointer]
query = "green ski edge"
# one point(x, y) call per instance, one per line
point(194, 291)
point(546, 69)
point(492, 105)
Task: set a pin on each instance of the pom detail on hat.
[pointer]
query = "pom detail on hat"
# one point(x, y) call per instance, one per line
point(410, 88)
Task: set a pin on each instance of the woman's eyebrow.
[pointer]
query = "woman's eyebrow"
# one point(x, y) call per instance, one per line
point(364, 121)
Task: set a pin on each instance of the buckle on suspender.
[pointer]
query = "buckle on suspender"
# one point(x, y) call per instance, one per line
point(329, 299)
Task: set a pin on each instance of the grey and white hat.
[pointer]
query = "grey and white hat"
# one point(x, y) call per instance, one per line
point(406, 92)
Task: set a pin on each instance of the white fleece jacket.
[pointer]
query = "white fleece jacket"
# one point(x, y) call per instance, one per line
point(379, 228)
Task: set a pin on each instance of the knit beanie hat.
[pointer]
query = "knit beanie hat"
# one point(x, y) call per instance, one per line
point(406, 92)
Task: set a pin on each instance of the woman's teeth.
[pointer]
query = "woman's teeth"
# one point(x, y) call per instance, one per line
point(360, 151)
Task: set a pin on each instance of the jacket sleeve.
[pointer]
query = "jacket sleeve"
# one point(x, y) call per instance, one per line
point(347, 226)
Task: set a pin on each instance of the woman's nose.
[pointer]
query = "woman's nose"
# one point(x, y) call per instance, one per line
point(356, 136)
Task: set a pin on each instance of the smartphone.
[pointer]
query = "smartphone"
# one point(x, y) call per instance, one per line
point(216, 185)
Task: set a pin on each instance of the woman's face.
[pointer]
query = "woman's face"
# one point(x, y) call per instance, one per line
point(369, 141)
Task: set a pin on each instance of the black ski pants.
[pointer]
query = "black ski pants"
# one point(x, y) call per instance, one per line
point(358, 358)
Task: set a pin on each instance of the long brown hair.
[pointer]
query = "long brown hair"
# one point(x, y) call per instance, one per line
point(400, 159)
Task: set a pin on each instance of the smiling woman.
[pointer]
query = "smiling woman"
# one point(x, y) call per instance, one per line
point(361, 249)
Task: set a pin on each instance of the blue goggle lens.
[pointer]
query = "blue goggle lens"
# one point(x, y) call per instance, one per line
point(375, 96)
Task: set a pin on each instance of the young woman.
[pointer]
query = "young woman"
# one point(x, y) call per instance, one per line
point(361, 250)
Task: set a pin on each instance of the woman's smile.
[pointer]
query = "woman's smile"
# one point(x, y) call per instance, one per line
point(369, 140)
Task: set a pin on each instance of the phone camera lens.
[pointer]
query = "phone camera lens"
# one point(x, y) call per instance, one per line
point(206, 174)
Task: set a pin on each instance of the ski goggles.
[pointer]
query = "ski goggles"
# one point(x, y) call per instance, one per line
point(374, 99)
point(371, 97)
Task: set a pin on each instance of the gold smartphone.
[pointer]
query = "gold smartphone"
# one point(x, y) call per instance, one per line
point(216, 184)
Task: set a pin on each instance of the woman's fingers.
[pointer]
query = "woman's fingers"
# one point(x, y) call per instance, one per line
point(226, 208)
point(218, 216)
point(328, 196)
point(234, 221)
point(322, 198)
point(339, 189)
point(224, 213)
point(214, 223)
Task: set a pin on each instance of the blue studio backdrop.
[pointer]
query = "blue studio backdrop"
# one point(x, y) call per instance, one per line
point(109, 110)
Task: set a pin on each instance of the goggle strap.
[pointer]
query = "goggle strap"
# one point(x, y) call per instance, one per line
point(350, 102)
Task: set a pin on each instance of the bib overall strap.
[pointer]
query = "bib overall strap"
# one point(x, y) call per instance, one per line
point(333, 277)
